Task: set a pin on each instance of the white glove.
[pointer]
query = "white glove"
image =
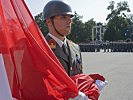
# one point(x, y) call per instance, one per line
point(81, 96)
point(15, 99)
point(100, 84)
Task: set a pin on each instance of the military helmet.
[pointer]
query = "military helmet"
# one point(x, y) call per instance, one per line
point(55, 8)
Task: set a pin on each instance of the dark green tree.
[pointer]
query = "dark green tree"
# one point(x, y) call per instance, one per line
point(81, 32)
point(130, 27)
point(88, 29)
point(117, 21)
point(130, 17)
point(41, 23)
point(77, 29)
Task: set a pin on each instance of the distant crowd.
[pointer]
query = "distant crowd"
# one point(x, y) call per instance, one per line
point(107, 47)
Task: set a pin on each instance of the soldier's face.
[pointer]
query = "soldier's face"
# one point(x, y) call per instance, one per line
point(63, 24)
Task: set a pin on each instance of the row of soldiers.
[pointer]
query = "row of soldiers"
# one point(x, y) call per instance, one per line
point(107, 47)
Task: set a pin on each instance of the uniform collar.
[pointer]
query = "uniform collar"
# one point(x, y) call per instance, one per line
point(60, 42)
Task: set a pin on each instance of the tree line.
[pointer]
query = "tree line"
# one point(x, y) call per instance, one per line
point(119, 25)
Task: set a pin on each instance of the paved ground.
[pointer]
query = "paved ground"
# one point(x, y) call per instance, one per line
point(118, 70)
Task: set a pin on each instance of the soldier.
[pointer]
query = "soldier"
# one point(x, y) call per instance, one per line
point(59, 20)
point(58, 17)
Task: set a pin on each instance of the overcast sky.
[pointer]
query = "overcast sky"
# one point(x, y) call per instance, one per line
point(96, 9)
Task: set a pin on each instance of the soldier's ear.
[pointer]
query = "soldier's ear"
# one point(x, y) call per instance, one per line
point(48, 22)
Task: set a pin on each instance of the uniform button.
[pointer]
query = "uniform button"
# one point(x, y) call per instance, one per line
point(71, 68)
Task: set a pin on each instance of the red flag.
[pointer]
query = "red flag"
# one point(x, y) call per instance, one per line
point(86, 84)
point(33, 71)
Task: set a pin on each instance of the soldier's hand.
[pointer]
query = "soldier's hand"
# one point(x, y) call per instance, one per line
point(100, 84)
point(81, 96)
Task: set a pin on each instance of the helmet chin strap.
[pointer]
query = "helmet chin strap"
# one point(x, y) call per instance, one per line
point(55, 27)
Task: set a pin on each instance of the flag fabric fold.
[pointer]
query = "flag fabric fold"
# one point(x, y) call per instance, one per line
point(87, 85)
point(33, 71)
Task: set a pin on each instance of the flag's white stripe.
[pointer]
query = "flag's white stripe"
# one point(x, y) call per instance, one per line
point(5, 93)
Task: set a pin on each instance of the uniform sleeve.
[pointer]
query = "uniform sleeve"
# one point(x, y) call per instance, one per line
point(81, 59)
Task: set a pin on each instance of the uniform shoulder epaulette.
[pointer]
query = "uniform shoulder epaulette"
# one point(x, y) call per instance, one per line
point(52, 43)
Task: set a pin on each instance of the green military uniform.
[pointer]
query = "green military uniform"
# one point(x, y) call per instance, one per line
point(72, 63)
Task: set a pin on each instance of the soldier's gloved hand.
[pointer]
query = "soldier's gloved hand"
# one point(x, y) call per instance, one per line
point(100, 84)
point(81, 96)
point(15, 99)
point(97, 77)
